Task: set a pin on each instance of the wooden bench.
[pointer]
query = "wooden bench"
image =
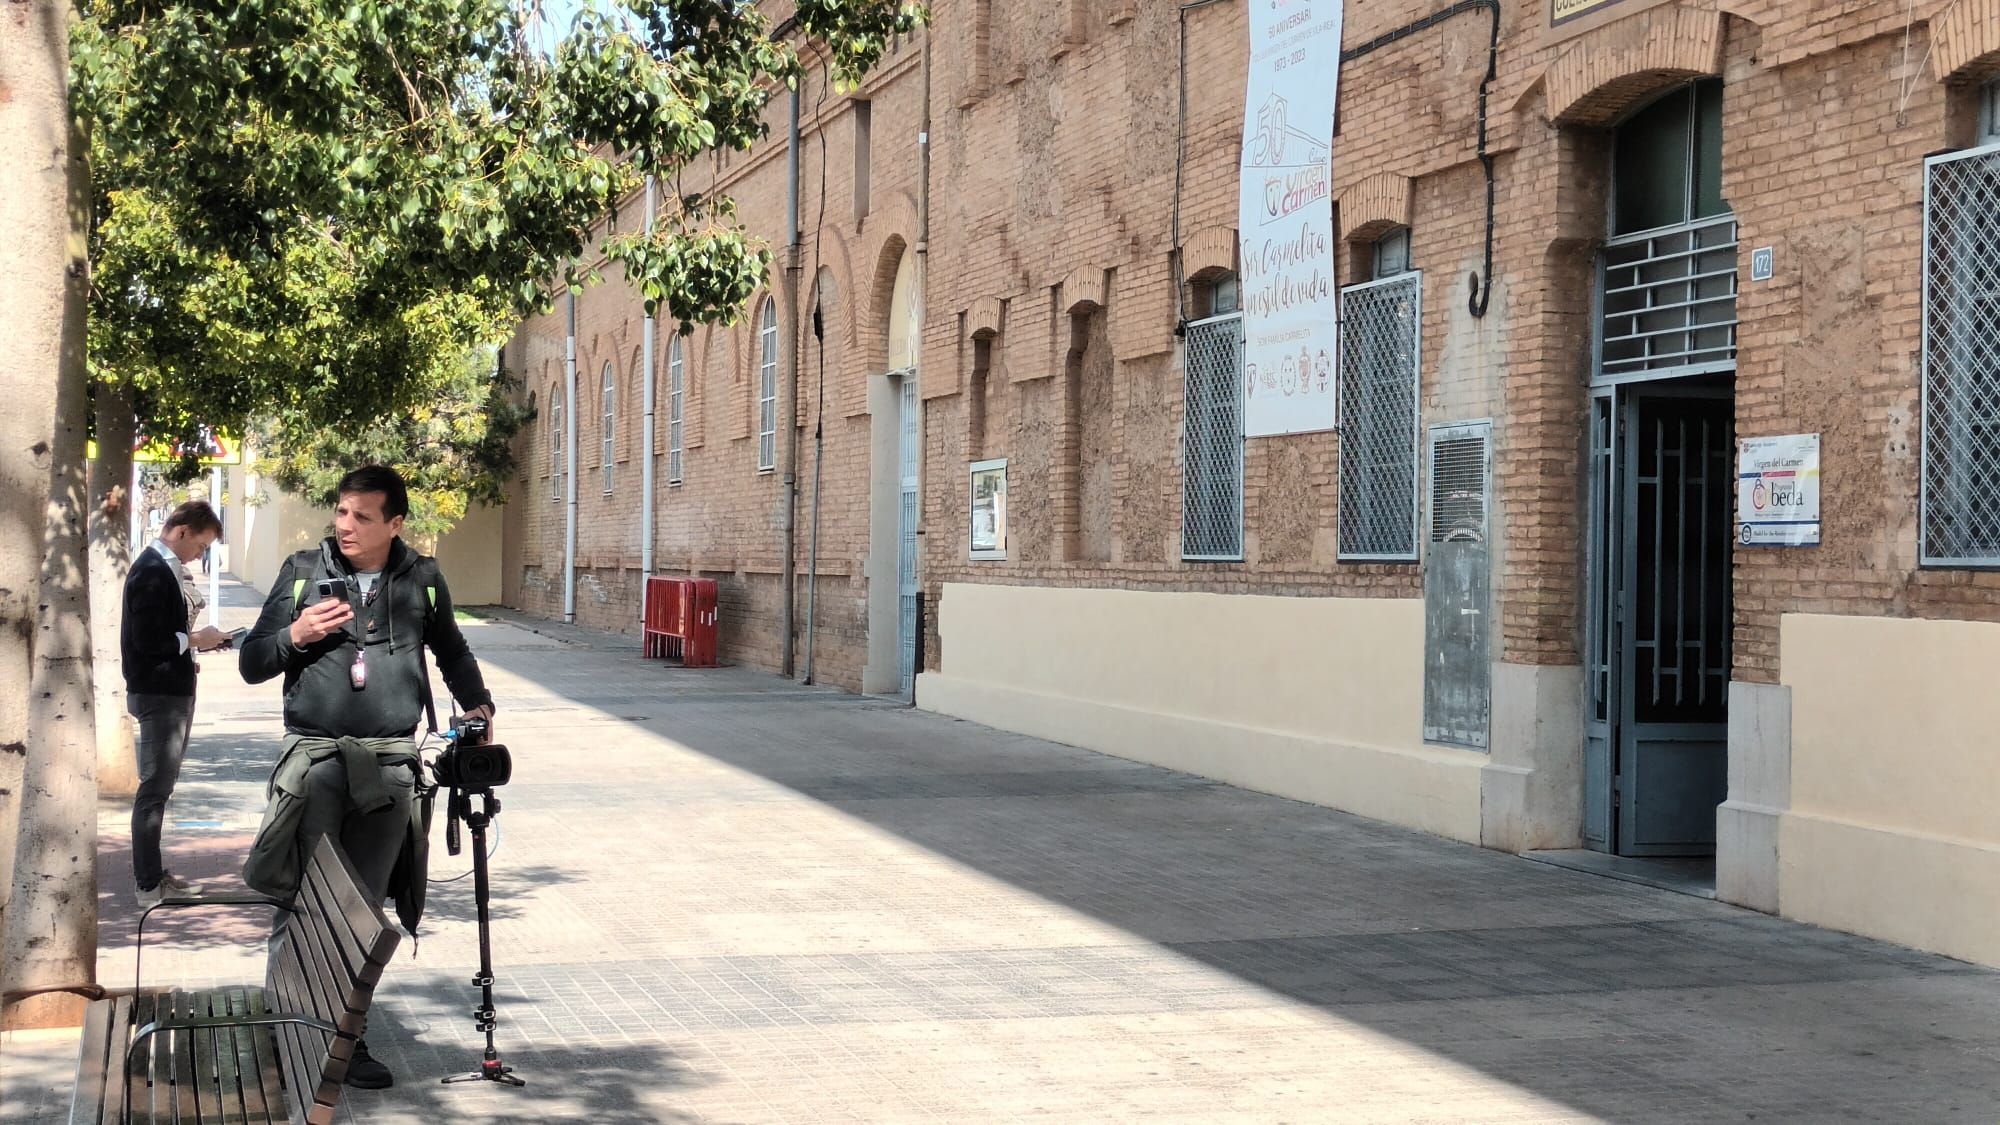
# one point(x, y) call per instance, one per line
point(246, 1054)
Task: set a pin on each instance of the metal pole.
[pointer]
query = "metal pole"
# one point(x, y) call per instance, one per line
point(214, 559)
point(647, 468)
point(819, 459)
point(788, 406)
point(569, 468)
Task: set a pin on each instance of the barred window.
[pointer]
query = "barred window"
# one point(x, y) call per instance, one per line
point(1212, 435)
point(555, 444)
point(610, 392)
point(1961, 356)
point(676, 390)
point(1379, 376)
point(767, 390)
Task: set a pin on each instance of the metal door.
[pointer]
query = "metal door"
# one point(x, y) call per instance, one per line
point(1601, 620)
point(1656, 763)
point(906, 555)
point(1673, 748)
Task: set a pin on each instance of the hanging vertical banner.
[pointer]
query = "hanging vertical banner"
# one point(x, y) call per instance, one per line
point(1285, 216)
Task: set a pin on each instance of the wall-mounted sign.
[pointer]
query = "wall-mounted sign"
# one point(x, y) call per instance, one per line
point(1777, 491)
point(1560, 10)
point(1763, 263)
point(1285, 212)
point(989, 509)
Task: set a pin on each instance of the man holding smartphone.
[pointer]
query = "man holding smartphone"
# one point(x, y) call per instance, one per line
point(157, 642)
point(346, 624)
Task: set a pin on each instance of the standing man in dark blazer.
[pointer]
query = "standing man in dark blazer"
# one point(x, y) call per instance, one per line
point(158, 643)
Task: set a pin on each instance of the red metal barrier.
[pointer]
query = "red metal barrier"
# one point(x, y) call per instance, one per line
point(680, 620)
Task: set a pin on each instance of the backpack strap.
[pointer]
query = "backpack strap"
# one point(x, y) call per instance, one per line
point(305, 564)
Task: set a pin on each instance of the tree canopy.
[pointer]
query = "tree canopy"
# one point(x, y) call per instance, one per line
point(308, 212)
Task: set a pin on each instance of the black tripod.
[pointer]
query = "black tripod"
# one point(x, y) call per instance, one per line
point(459, 807)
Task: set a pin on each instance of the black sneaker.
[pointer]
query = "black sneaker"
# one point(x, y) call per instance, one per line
point(364, 1072)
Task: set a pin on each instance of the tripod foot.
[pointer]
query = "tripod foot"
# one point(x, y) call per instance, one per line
point(489, 1071)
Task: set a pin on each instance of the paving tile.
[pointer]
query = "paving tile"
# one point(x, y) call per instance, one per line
point(722, 898)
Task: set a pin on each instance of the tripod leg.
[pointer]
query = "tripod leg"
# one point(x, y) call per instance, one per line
point(484, 1017)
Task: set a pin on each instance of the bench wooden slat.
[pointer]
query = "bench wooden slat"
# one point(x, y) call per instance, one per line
point(343, 962)
point(300, 1078)
point(363, 917)
point(340, 936)
point(186, 1107)
point(312, 985)
point(320, 1060)
point(206, 1077)
point(264, 1049)
point(93, 1049)
point(256, 1069)
point(159, 1092)
point(117, 1071)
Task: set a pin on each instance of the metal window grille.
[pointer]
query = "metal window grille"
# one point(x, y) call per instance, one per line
point(610, 392)
point(1379, 437)
point(1669, 301)
point(1961, 357)
point(555, 446)
point(676, 389)
point(1212, 442)
point(767, 391)
point(1989, 113)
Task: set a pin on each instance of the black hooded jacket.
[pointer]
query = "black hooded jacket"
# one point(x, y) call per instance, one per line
point(411, 609)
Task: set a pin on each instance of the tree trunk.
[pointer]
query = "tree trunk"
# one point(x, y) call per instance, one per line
point(51, 924)
point(110, 555)
point(34, 255)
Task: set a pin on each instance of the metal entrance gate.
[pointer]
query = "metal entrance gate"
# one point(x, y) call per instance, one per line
point(1656, 763)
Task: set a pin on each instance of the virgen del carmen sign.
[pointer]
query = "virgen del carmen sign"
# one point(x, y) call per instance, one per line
point(1290, 310)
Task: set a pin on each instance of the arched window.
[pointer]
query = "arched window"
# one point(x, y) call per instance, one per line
point(610, 393)
point(767, 389)
point(555, 444)
point(676, 397)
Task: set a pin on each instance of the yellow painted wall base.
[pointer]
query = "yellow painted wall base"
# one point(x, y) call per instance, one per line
point(1895, 767)
point(1316, 699)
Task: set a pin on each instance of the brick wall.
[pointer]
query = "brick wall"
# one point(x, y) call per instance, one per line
point(1049, 336)
point(725, 519)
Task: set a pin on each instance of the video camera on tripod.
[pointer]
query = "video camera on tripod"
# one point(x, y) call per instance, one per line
point(470, 766)
point(469, 761)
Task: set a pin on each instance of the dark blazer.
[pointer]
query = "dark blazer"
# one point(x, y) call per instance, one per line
point(154, 612)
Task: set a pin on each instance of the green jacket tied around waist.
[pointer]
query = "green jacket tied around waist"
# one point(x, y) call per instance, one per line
point(277, 860)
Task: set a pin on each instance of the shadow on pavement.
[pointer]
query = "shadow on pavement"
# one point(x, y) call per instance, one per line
point(1580, 990)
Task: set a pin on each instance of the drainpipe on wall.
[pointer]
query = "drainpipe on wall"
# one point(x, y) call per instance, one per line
point(569, 467)
point(917, 343)
point(819, 460)
point(788, 401)
point(646, 465)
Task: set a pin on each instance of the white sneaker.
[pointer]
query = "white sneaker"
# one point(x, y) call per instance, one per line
point(171, 886)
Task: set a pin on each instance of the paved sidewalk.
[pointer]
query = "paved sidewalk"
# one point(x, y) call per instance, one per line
point(724, 898)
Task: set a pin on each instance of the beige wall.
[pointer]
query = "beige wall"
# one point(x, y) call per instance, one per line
point(469, 554)
point(1892, 829)
point(270, 530)
point(264, 534)
point(1318, 699)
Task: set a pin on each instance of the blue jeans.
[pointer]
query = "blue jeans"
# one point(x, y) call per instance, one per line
point(164, 722)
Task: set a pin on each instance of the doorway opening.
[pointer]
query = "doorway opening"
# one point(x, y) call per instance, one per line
point(1662, 492)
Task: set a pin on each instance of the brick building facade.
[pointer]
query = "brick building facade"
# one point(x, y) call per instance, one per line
point(1527, 624)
